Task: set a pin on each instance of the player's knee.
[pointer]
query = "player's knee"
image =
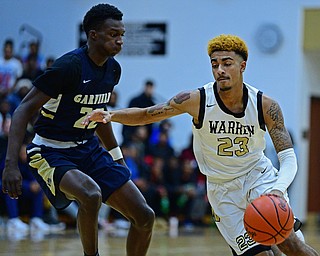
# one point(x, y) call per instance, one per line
point(146, 218)
point(91, 199)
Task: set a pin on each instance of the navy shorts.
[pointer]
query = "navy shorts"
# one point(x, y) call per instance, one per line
point(48, 165)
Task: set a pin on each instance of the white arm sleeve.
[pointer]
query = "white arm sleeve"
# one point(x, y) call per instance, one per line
point(288, 169)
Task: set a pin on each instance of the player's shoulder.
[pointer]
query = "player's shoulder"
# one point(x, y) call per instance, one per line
point(207, 86)
point(68, 63)
point(270, 107)
point(69, 58)
point(267, 100)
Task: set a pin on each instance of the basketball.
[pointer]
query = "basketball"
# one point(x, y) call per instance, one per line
point(268, 220)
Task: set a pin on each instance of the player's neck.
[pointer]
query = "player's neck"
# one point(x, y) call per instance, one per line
point(96, 57)
point(233, 99)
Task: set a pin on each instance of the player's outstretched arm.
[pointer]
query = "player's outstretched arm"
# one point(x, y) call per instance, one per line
point(184, 102)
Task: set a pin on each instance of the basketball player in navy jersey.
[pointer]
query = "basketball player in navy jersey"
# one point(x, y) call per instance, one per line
point(65, 156)
point(230, 119)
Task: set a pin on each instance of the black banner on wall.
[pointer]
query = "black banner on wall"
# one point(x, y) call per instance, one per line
point(144, 39)
point(141, 39)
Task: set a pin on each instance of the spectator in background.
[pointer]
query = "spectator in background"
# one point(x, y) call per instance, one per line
point(34, 50)
point(5, 118)
point(140, 139)
point(31, 69)
point(10, 69)
point(159, 197)
point(165, 126)
point(21, 89)
point(116, 127)
point(145, 99)
point(191, 198)
point(162, 148)
point(49, 62)
point(187, 153)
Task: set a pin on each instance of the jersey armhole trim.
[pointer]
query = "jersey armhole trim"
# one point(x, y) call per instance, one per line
point(260, 111)
point(201, 109)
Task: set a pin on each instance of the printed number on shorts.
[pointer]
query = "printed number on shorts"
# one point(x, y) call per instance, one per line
point(244, 241)
point(224, 148)
point(85, 111)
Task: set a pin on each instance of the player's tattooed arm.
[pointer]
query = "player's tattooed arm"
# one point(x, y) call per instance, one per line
point(171, 107)
point(276, 127)
point(184, 102)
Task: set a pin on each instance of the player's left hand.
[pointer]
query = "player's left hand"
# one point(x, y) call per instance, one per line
point(97, 115)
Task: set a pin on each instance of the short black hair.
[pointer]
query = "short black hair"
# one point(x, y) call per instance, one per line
point(8, 42)
point(96, 16)
point(149, 83)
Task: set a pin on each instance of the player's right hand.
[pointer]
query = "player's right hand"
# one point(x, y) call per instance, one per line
point(12, 182)
point(97, 115)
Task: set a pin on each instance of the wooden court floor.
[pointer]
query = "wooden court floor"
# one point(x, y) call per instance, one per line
point(199, 241)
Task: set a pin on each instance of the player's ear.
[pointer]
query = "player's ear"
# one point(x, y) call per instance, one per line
point(93, 35)
point(243, 65)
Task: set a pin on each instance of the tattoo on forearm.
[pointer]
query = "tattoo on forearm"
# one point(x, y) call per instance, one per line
point(278, 132)
point(160, 109)
point(166, 107)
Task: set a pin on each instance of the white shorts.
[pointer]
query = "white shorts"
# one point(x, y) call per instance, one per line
point(230, 199)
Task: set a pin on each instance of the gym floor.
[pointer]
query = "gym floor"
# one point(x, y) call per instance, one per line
point(197, 241)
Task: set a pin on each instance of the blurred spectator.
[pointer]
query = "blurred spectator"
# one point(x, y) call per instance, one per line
point(192, 199)
point(116, 127)
point(34, 50)
point(159, 197)
point(31, 70)
point(165, 126)
point(5, 118)
point(140, 139)
point(10, 69)
point(145, 99)
point(171, 172)
point(140, 172)
point(162, 149)
point(188, 154)
point(49, 62)
point(21, 89)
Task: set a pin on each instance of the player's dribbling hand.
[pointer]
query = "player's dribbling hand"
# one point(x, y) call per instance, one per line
point(12, 182)
point(97, 115)
point(276, 192)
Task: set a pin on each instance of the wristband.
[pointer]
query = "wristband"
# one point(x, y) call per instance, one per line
point(116, 153)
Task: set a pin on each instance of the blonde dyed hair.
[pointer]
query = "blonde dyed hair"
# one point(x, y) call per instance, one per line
point(229, 43)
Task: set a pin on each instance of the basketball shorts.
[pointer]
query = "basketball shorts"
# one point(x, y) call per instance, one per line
point(48, 165)
point(230, 199)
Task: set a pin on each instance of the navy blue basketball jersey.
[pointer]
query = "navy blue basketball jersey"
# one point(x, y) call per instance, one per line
point(76, 86)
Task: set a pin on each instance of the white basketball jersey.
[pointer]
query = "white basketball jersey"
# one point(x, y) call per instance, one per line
point(228, 145)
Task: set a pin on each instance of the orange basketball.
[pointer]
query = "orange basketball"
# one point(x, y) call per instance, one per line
point(268, 220)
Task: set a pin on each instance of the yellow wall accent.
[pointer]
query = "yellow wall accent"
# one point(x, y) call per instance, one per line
point(311, 37)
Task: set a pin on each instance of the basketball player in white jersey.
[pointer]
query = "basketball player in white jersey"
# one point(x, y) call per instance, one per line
point(230, 119)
